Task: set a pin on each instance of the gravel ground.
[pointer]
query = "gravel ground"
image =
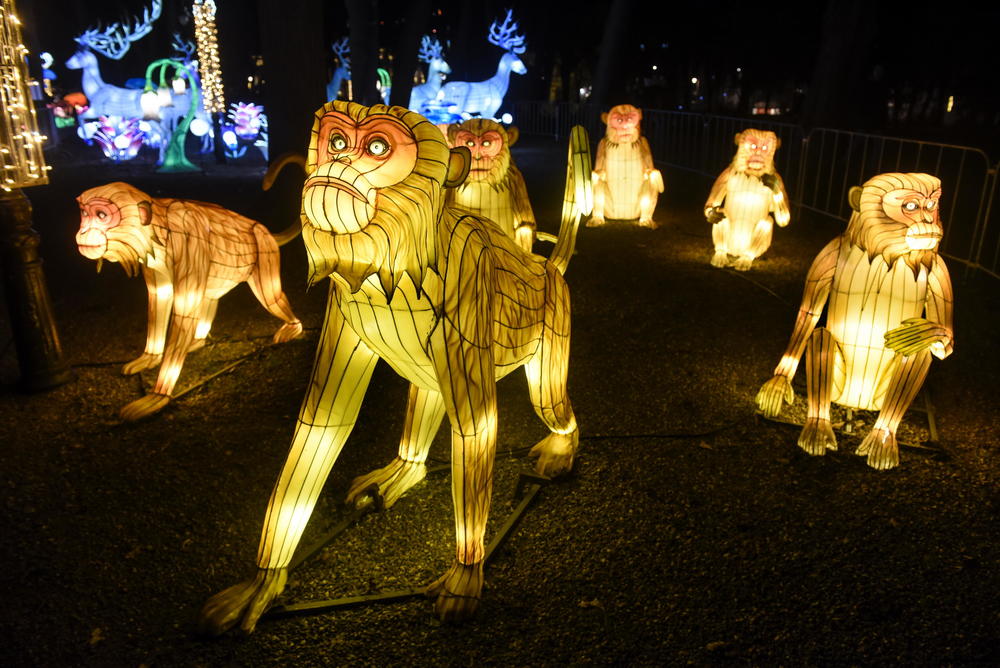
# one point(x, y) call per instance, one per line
point(692, 531)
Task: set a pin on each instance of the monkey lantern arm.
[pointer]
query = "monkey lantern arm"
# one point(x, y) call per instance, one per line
point(600, 162)
point(934, 332)
point(718, 193)
point(940, 306)
point(779, 202)
point(819, 280)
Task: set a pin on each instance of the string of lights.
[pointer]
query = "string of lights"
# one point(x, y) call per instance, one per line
point(20, 141)
point(209, 64)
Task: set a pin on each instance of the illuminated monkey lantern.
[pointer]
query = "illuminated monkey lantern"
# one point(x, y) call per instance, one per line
point(890, 309)
point(494, 188)
point(450, 302)
point(191, 254)
point(626, 185)
point(743, 199)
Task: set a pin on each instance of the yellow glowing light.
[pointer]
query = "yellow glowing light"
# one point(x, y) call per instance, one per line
point(744, 200)
point(450, 301)
point(888, 310)
point(23, 162)
point(190, 255)
point(951, 103)
point(209, 63)
point(626, 184)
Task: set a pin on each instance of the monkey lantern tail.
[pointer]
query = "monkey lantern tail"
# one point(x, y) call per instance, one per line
point(290, 158)
point(578, 200)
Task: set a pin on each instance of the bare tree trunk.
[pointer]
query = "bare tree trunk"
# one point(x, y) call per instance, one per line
point(611, 46)
point(362, 17)
point(406, 52)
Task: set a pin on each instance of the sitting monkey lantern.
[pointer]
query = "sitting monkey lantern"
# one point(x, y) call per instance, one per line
point(626, 184)
point(191, 254)
point(743, 199)
point(449, 301)
point(890, 309)
point(495, 188)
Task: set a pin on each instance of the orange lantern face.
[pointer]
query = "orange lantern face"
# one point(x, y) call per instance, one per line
point(484, 148)
point(888, 300)
point(449, 300)
point(755, 152)
point(190, 254)
point(623, 124)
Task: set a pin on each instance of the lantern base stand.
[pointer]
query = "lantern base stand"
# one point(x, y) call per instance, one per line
point(39, 353)
point(528, 487)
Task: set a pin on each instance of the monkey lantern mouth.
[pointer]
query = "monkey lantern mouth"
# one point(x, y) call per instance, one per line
point(91, 252)
point(755, 164)
point(923, 236)
point(338, 198)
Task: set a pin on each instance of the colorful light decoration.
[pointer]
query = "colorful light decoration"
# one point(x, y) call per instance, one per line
point(889, 304)
point(209, 64)
point(120, 139)
point(483, 98)
point(174, 158)
point(451, 302)
point(20, 141)
point(432, 53)
point(743, 200)
point(495, 188)
point(190, 254)
point(342, 50)
point(626, 184)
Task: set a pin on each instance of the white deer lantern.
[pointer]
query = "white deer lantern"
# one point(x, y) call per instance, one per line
point(483, 98)
point(342, 49)
point(432, 53)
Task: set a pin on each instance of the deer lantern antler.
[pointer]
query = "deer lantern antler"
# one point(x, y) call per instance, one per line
point(342, 49)
point(114, 41)
point(183, 46)
point(430, 50)
point(504, 36)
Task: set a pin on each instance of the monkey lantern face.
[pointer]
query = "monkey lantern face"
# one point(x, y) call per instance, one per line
point(97, 217)
point(623, 126)
point(919, 212)
point(353, 162)
point(484, 148)
point(757, 152)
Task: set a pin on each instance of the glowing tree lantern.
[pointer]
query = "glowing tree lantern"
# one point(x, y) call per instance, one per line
point(432, 53)
point(190, 254)
point(173, 158)
point(495, 188)
point(20, 141)
point(449, 301)
point(743, 200)
point(483, 98)
point(209, 64)
point(888, 302)
point(626, 184)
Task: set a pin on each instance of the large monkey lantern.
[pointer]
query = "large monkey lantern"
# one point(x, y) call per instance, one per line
point(626, 185)
point(449, 301)
point(495, 188)
point(191, 254)
point(743, 199)
point(890, 309)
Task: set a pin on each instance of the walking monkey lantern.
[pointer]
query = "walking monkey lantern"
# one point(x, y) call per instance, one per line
point(888, 302)
point(743, 200)
point(626, 185)
point(190, 254)
point(449, 301)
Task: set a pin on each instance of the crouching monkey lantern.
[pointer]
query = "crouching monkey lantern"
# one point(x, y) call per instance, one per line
point(888, 303)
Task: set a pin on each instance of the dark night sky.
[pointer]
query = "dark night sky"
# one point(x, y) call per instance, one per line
point(926, 46)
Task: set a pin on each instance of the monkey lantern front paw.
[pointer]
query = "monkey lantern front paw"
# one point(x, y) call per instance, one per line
point(881, 448)
point(648, 222)
point(817, 436)
point(141, 363)
point(243, 603)
point(743, 263)
point(595, 221)
point(288, 331)
point(457, 592)
point(392, 482)
point(140, 408)
point(555, 453)
point(720, 260)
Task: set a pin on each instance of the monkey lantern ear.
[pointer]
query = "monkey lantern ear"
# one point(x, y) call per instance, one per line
point(459, 161)
point(145, 212)
point(604, 117)
point(854, 197)
point(512, 134)
point(738, 138)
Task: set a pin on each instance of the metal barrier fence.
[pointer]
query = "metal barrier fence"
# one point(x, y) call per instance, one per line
point(818, 168)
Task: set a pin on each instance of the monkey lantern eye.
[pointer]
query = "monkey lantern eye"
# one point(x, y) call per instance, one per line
point(338, 142)
point(470, 143)
point(487, 143)
point(753, 146)
point(910, 206)
point(931, 204)
point(378, 147)
point(102, 215)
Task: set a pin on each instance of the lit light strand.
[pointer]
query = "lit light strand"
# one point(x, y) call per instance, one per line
point(21, 158)
point(209, 64)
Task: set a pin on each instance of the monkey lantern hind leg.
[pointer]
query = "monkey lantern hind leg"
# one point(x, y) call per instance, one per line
point(265, 282)
point(600, 202)
point(720, 237)
point(817, 435)
point(424, 412)
point(547, 372)
point(880, 444)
